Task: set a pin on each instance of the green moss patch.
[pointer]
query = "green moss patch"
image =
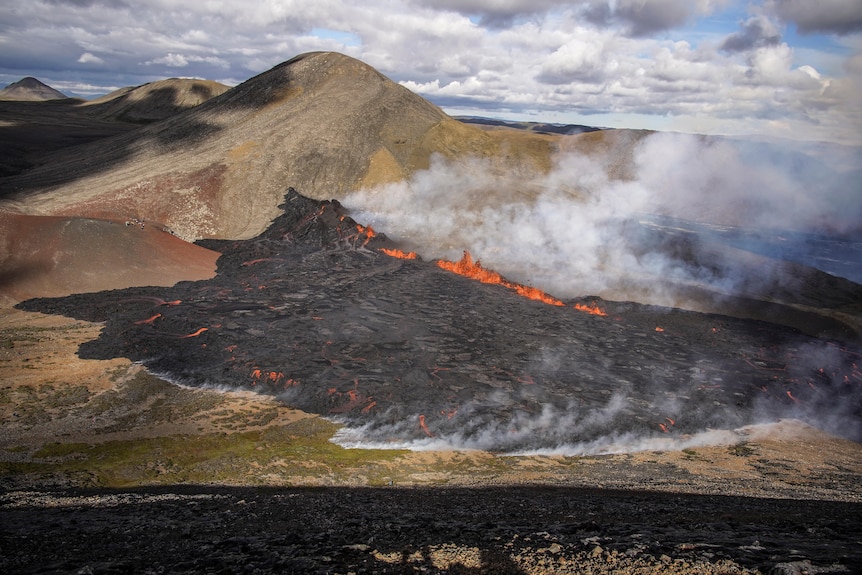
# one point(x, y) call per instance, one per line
point(277, 454)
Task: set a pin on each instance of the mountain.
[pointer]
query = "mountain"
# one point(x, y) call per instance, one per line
point(329, 125)
point(30, 89)
point(322, 122)
point(154, 101)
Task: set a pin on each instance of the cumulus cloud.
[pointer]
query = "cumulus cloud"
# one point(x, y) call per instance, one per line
point(831, 16)
point(645, 17)
point(494, 13)
point(87, 58)
point(180, 61)
point(629, 60)
point(755, 32)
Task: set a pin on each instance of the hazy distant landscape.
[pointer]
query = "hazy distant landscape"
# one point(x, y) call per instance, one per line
point(317, 278)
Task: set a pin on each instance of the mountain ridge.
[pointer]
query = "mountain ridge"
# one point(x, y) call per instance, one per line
point(322, 122)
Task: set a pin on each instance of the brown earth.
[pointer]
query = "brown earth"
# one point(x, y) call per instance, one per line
point(55, 256)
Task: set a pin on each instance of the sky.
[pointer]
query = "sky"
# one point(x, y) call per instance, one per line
point(771, 68)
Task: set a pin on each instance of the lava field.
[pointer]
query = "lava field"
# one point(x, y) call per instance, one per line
point(330, 317)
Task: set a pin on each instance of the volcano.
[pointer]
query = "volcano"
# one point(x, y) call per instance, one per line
point(316, 311)
point(30, 89)
point(308, 306)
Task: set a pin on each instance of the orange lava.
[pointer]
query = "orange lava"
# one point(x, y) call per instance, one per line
point(659, 329)
point(149, 320)
point(399, 254)
point(590, 309)
point(424, 426)
point(195, 334)
point(367, 230)
point(474, 270)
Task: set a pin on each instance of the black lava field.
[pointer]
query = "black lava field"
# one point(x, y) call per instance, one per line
point(407, 353)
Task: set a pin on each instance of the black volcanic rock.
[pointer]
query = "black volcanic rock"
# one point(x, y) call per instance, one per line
point(313, 312)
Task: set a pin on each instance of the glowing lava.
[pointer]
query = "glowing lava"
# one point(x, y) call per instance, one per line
point(590, 309)
point(474, 270)
point(395, 253)
point(424, 426)
point(195, 334)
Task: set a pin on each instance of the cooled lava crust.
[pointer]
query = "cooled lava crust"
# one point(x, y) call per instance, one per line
point(314, 312)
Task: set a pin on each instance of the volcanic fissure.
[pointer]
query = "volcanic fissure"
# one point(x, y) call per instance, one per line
point(333, 318)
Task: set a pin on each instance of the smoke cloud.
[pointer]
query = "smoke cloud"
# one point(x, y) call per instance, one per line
point(593, 227)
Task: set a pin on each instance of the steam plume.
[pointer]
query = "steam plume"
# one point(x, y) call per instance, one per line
point(581, 230)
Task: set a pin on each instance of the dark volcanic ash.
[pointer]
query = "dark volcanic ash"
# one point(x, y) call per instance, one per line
point(407, 353)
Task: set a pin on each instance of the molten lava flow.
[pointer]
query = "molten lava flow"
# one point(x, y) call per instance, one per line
point(475, 271)
point(399, 254)
point(369, 407)
point(424, 426)
point(367, 230)
point(467, 268)
point(196, 333)
point(149, 320)
point(536, 294)
point(590, 309)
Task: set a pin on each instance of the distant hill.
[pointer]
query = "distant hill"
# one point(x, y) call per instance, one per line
point(30, 89)
point(541, 127)
point(321, 122)
point(154, 101)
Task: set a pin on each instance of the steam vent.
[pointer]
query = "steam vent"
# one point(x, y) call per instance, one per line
point(333, 319)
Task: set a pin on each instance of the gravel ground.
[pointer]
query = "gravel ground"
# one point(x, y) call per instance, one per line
point(442, 530)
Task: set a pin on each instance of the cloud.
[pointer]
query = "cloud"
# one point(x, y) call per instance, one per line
point(180, 61)
point(494, 13)
point(629, 60)
point(829, 16)
point(87, 58)
point(637, 17)
point(756, 32)
point(646, 17)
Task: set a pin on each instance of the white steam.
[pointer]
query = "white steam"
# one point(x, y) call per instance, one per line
point(578, 230)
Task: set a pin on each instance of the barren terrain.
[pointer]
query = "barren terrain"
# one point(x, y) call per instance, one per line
point(80, 436)
point(308, 330)
point(248, 482)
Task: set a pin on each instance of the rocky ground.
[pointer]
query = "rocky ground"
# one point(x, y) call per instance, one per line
point(105, 468)
point(240, 483)
point(526, 529)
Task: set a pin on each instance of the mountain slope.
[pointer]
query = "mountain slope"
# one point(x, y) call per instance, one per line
point(322, 122)
point(30, 89)
point(154, 101)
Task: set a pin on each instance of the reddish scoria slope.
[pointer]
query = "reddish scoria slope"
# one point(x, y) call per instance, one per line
point(55, 256)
